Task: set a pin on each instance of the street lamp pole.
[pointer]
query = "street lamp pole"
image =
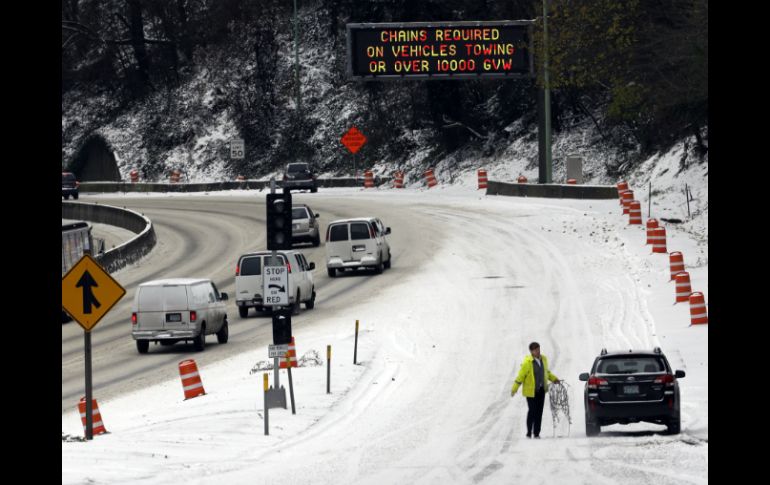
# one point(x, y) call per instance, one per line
point(547, 98)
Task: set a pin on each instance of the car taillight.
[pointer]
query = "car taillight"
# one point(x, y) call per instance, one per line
point(237, 270)
point(77, 184)
point(133, 318)
point(371, 232)
point(595, 382)
point(193, 316)
point(667, 379)
point(288, 267)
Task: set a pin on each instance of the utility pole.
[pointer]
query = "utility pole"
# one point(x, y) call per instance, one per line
point(296, 58)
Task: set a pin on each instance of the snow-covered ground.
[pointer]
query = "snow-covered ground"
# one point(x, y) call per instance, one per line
point(429, 401)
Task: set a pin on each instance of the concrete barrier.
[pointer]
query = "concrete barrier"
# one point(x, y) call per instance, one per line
point(128, 252)
point(555, 191)
point(103, 187)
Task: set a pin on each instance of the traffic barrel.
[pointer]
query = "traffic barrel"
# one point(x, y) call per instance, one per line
point(240, 178)
point(651, 224)
point(430, 178)
point(522, 179)
point(191, 379)
point(98, 425)
point(134, 174)
point(622, 187)
point(676, 260)
point(628, 197)
point(683, 288)
point(175, 176)
point(482, 179)
point(659, 240)
point(635, 213)
point(698, 312)
point(291, 354)
point(572, 181)
point(368, 179)
point(399, 180)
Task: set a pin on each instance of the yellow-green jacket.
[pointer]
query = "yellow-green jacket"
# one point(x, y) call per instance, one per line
point(527, 376)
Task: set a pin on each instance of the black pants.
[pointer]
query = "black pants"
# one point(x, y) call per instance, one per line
point(535, 414)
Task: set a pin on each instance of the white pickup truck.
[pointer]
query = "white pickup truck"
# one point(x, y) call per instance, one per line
point(248, 280)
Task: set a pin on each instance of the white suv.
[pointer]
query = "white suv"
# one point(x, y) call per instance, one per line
point(357, 243)
point(248, 280)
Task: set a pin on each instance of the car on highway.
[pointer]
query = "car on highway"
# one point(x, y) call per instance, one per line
point(178, 309)
point(357, 243)
point(304, 225)
point(631, 386)
point(249, 280)
point(299, 176)
point(69, 185)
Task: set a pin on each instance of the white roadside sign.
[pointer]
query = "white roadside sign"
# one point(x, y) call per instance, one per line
point(275, 286)
point(237, 148)
point(277, 350)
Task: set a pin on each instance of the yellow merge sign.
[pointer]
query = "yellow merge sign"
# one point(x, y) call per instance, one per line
point(88, 292)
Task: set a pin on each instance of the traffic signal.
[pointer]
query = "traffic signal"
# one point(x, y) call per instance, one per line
point(278, 221)
point(281, 327)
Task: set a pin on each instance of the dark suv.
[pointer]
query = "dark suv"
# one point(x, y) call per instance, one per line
point(629, 387)
point(69, 185)
point(299, 176)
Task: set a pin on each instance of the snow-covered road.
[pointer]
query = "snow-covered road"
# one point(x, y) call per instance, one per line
point(430, 399)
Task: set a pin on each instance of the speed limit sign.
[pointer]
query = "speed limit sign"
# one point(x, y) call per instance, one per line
point(237, 149)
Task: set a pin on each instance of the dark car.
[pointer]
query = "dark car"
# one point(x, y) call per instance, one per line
point(629, 387)
point(300, 176)
point(69, 185)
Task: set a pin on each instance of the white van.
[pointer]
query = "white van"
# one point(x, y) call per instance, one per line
point(357, 243)
point(248, 280)
point(179, 309)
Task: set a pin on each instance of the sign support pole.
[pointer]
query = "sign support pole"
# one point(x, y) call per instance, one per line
point(89, 382)
point(274, 256)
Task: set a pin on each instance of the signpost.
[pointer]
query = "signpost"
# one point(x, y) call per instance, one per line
point(353, 141)
point(88, 293)
point(237, 148)
point(275, 286)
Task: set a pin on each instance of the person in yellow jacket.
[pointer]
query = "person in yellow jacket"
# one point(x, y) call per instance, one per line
point(534, 374)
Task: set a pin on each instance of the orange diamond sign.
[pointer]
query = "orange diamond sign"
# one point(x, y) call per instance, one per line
point(88, 292)
point(353, 140)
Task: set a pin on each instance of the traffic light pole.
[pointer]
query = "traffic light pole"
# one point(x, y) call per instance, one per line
point(274, 257)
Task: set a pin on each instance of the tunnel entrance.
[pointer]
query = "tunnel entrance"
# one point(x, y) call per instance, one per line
point(95, 161)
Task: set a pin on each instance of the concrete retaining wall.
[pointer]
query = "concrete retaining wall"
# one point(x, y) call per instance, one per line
point(556, 191)
point(213, 186)
point(128, 252)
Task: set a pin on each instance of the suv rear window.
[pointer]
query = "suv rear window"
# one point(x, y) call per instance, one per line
point(630, 365)
point(67, 177)
point(297, 167)
point(162, 298)
point(339, 233)
point(299, 213)
point(359, 230)
point(251, 266)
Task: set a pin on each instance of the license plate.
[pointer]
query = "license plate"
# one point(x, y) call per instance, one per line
point(173, 317)
point(359, 248)
point(295, 226)
point(630, 389)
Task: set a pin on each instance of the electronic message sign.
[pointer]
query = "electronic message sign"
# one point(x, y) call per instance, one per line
point(435, 50)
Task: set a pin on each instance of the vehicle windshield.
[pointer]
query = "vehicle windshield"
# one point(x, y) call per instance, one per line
point(297, 167)
point(630, 365)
